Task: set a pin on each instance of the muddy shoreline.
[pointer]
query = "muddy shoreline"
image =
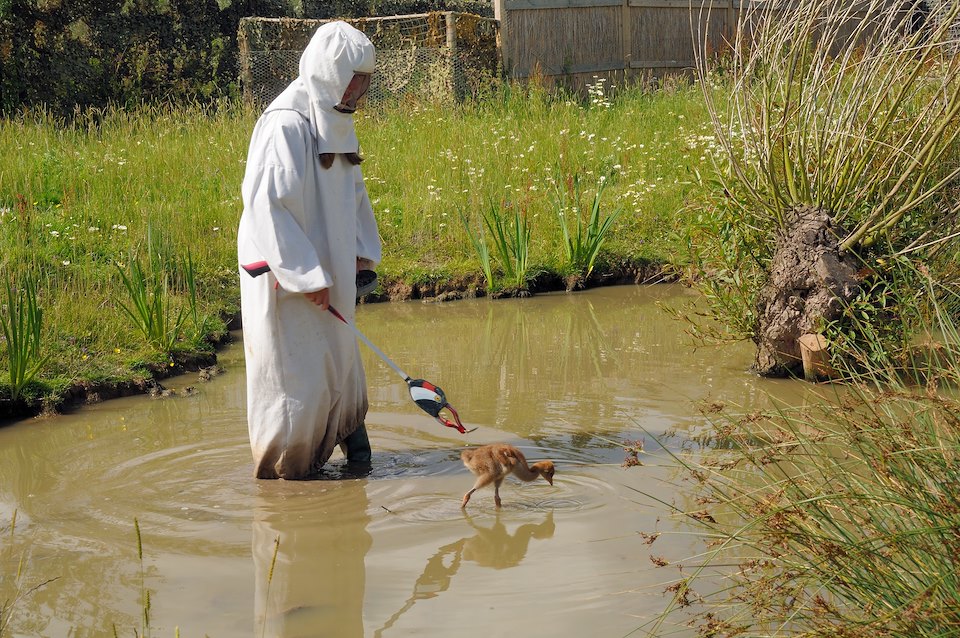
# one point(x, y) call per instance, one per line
point(148, 379)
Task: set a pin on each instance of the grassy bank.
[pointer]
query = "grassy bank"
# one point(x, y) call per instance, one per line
point(85, 203)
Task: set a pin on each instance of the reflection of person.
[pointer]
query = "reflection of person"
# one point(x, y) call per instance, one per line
point(308, 224)
point(491, 547)
point(315, 588)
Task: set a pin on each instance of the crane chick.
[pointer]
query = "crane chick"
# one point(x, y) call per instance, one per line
point(492, 463)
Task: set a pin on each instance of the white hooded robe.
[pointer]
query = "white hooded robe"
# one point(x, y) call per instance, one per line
point(306, 389)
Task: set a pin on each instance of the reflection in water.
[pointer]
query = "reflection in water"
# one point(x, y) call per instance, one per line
point(492, 547)
point(495, 547)
point(315, 588)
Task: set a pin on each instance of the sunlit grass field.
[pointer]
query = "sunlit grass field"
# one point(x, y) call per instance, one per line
point(80, 201)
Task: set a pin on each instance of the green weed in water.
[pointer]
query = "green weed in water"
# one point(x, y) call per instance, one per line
point(479, 242)
point(151, 306)
point(144, 592)
point(22, 327)
point(19, 587)
point(583, 235)
point(511, 242)
point(273, 564)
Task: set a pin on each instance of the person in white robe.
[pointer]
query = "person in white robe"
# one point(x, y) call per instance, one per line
point(307, 221)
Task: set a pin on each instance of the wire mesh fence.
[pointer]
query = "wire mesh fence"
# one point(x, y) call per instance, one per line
point(442, 56)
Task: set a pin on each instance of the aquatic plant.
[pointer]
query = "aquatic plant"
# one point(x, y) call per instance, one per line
point(841, 518)
point(583, 242)
point(273, 564)
point(19, 587)
point(203, 324)
point(511, 242)
point(479, 242)
point(151, 306)
point(145, 601)
point(22, 330)
point(6, 606)
point(144, 592)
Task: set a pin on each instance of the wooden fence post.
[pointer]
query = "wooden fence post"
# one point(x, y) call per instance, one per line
point(457, 81)
point(627, 39)
point(502, 14)
point(815, 356)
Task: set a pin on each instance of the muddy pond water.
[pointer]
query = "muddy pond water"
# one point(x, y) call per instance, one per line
point(570, 377)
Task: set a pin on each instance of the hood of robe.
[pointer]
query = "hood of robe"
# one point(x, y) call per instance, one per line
point(335, 52)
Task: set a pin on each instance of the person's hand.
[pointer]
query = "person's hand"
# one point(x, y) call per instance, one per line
point(320, 297)
point(364, 264)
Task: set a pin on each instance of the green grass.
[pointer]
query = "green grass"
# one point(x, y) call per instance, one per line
point(78, 198)
point(512, 149)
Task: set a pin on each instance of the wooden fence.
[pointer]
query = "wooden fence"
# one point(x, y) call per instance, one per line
point(582, 38)
point(618, 39)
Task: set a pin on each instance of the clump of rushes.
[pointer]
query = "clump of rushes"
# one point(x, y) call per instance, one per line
point(583, 241)
point(841, 519)
point(511, 242)
point(478, 240)
point(834, 105)
point(22, 324)
point(151, 307)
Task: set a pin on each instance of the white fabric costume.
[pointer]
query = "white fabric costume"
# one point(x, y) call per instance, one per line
point(306, 389)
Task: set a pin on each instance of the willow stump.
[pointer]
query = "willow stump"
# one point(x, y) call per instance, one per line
point(810, 283)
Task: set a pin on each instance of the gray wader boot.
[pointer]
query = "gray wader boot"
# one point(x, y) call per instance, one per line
point(357, 446)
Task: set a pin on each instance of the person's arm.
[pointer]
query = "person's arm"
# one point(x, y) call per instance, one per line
point(274, 199)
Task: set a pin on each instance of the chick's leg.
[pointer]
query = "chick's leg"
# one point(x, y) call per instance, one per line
point(482, 481)
point(496, 492)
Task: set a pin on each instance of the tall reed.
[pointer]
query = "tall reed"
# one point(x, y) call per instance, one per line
point(151, 307)
point(582, 242)
point(510, 235)
point(273, 564)
point(841, 518)
point(22, 324)
point(144, 592)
